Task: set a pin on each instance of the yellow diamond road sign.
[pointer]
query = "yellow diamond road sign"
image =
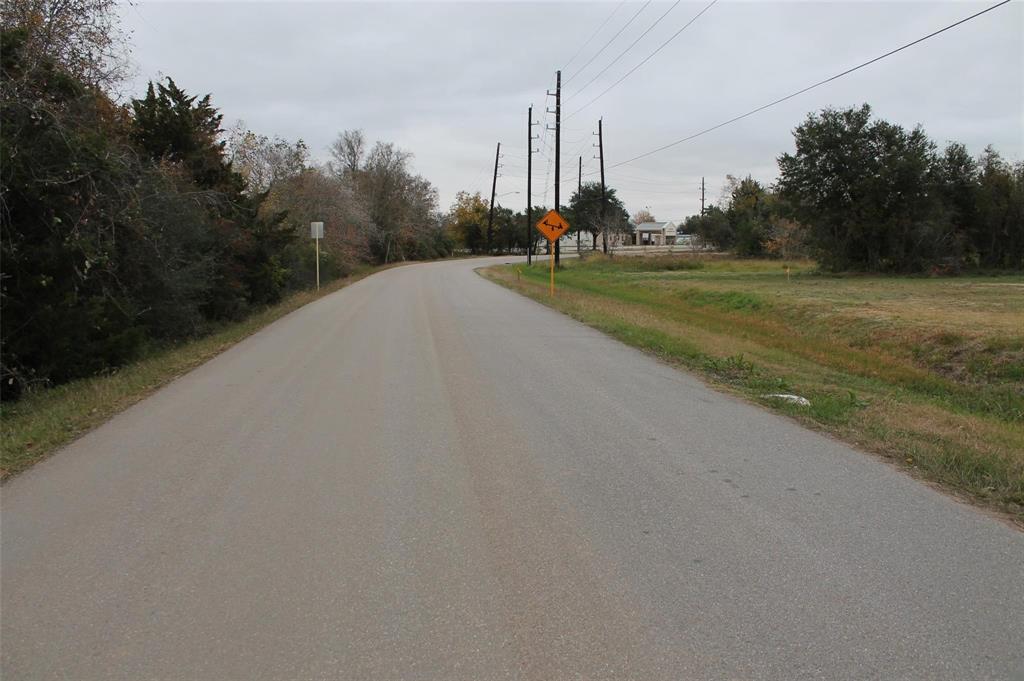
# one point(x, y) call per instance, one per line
point(552, 225)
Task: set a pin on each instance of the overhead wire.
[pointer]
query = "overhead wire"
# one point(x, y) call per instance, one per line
point(628, 48)
point(550, 157)
point(644, 180)
point(603, 48)
point(646, 59)
point(594, 34)
point(622, 188)
point(810, 87)
point(583, 144)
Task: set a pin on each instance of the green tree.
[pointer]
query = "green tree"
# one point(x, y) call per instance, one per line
point(68, 179)
point(865, 190)
point(957, 178)
point(584, 211)
point(713, 227)
point(749, 215)
point(509, 235)
point(998, 232)
point(467, 221)
point(169, 124)
point(176, 128)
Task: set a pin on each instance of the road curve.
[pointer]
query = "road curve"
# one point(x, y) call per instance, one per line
point(425, 476)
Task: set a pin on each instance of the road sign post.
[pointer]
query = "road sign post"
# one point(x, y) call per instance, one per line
point(316, 231)
point(552, 226)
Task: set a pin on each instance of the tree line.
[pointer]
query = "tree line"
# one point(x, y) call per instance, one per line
point(864, 194)
point(510, 232)
point(128, 226)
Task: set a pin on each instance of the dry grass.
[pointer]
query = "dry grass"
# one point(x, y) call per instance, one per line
point(926, 372)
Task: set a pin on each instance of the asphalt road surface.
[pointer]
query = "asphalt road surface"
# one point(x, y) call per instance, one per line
point(425, 476)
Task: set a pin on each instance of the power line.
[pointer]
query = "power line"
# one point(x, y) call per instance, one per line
point(647, 59)
point(582, 144)
point(550, 158)
point(648, 180)
point(596, 54)
point(656, 185)
point(631, 45)
point(594, 35)
point(619, 187)
point(810, 87)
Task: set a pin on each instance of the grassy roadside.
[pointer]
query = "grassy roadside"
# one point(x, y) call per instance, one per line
point(929, 373)
point(43, 421)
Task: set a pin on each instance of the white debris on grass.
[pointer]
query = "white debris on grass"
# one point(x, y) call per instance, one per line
point(795, 399)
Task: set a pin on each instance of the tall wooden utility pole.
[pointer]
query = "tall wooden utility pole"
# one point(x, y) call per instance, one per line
point(529, 180)
point(494, 186)
point(558, 151)
point(579, 197)
point(604, 223)
point(702, 196)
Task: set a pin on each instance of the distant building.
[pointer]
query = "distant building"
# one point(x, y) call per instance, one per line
point(644, 234)
point(615, 239)
point(568, 241)
point(655, 234)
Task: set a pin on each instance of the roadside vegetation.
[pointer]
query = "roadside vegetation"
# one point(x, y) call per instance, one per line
point(926, 371)
point(881, 279)
point(862, 194)
point(141, 236)
point(131, 223)
point(473, 229)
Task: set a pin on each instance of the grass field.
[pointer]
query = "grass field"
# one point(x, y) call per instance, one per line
point(44, 420)
point(928, 372)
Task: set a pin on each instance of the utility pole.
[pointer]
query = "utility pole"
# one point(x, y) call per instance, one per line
point(529, 178)
point(604, 224)
point(579, 197)
point(702, 196)
point(494, 187)
point(558, 150)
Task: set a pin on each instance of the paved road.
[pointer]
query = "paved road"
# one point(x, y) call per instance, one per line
point(425, 476)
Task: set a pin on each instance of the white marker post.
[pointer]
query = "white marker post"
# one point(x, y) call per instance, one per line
point(316, 230)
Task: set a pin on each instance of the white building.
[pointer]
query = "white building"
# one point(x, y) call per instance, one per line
point(587, 241)
point(568, 241)
point(655, 234)
point(645, 234)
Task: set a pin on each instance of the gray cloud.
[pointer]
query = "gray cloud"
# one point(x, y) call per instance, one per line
point(448, 80)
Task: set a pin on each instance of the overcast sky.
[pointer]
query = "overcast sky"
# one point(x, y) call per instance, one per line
point(447, 81)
